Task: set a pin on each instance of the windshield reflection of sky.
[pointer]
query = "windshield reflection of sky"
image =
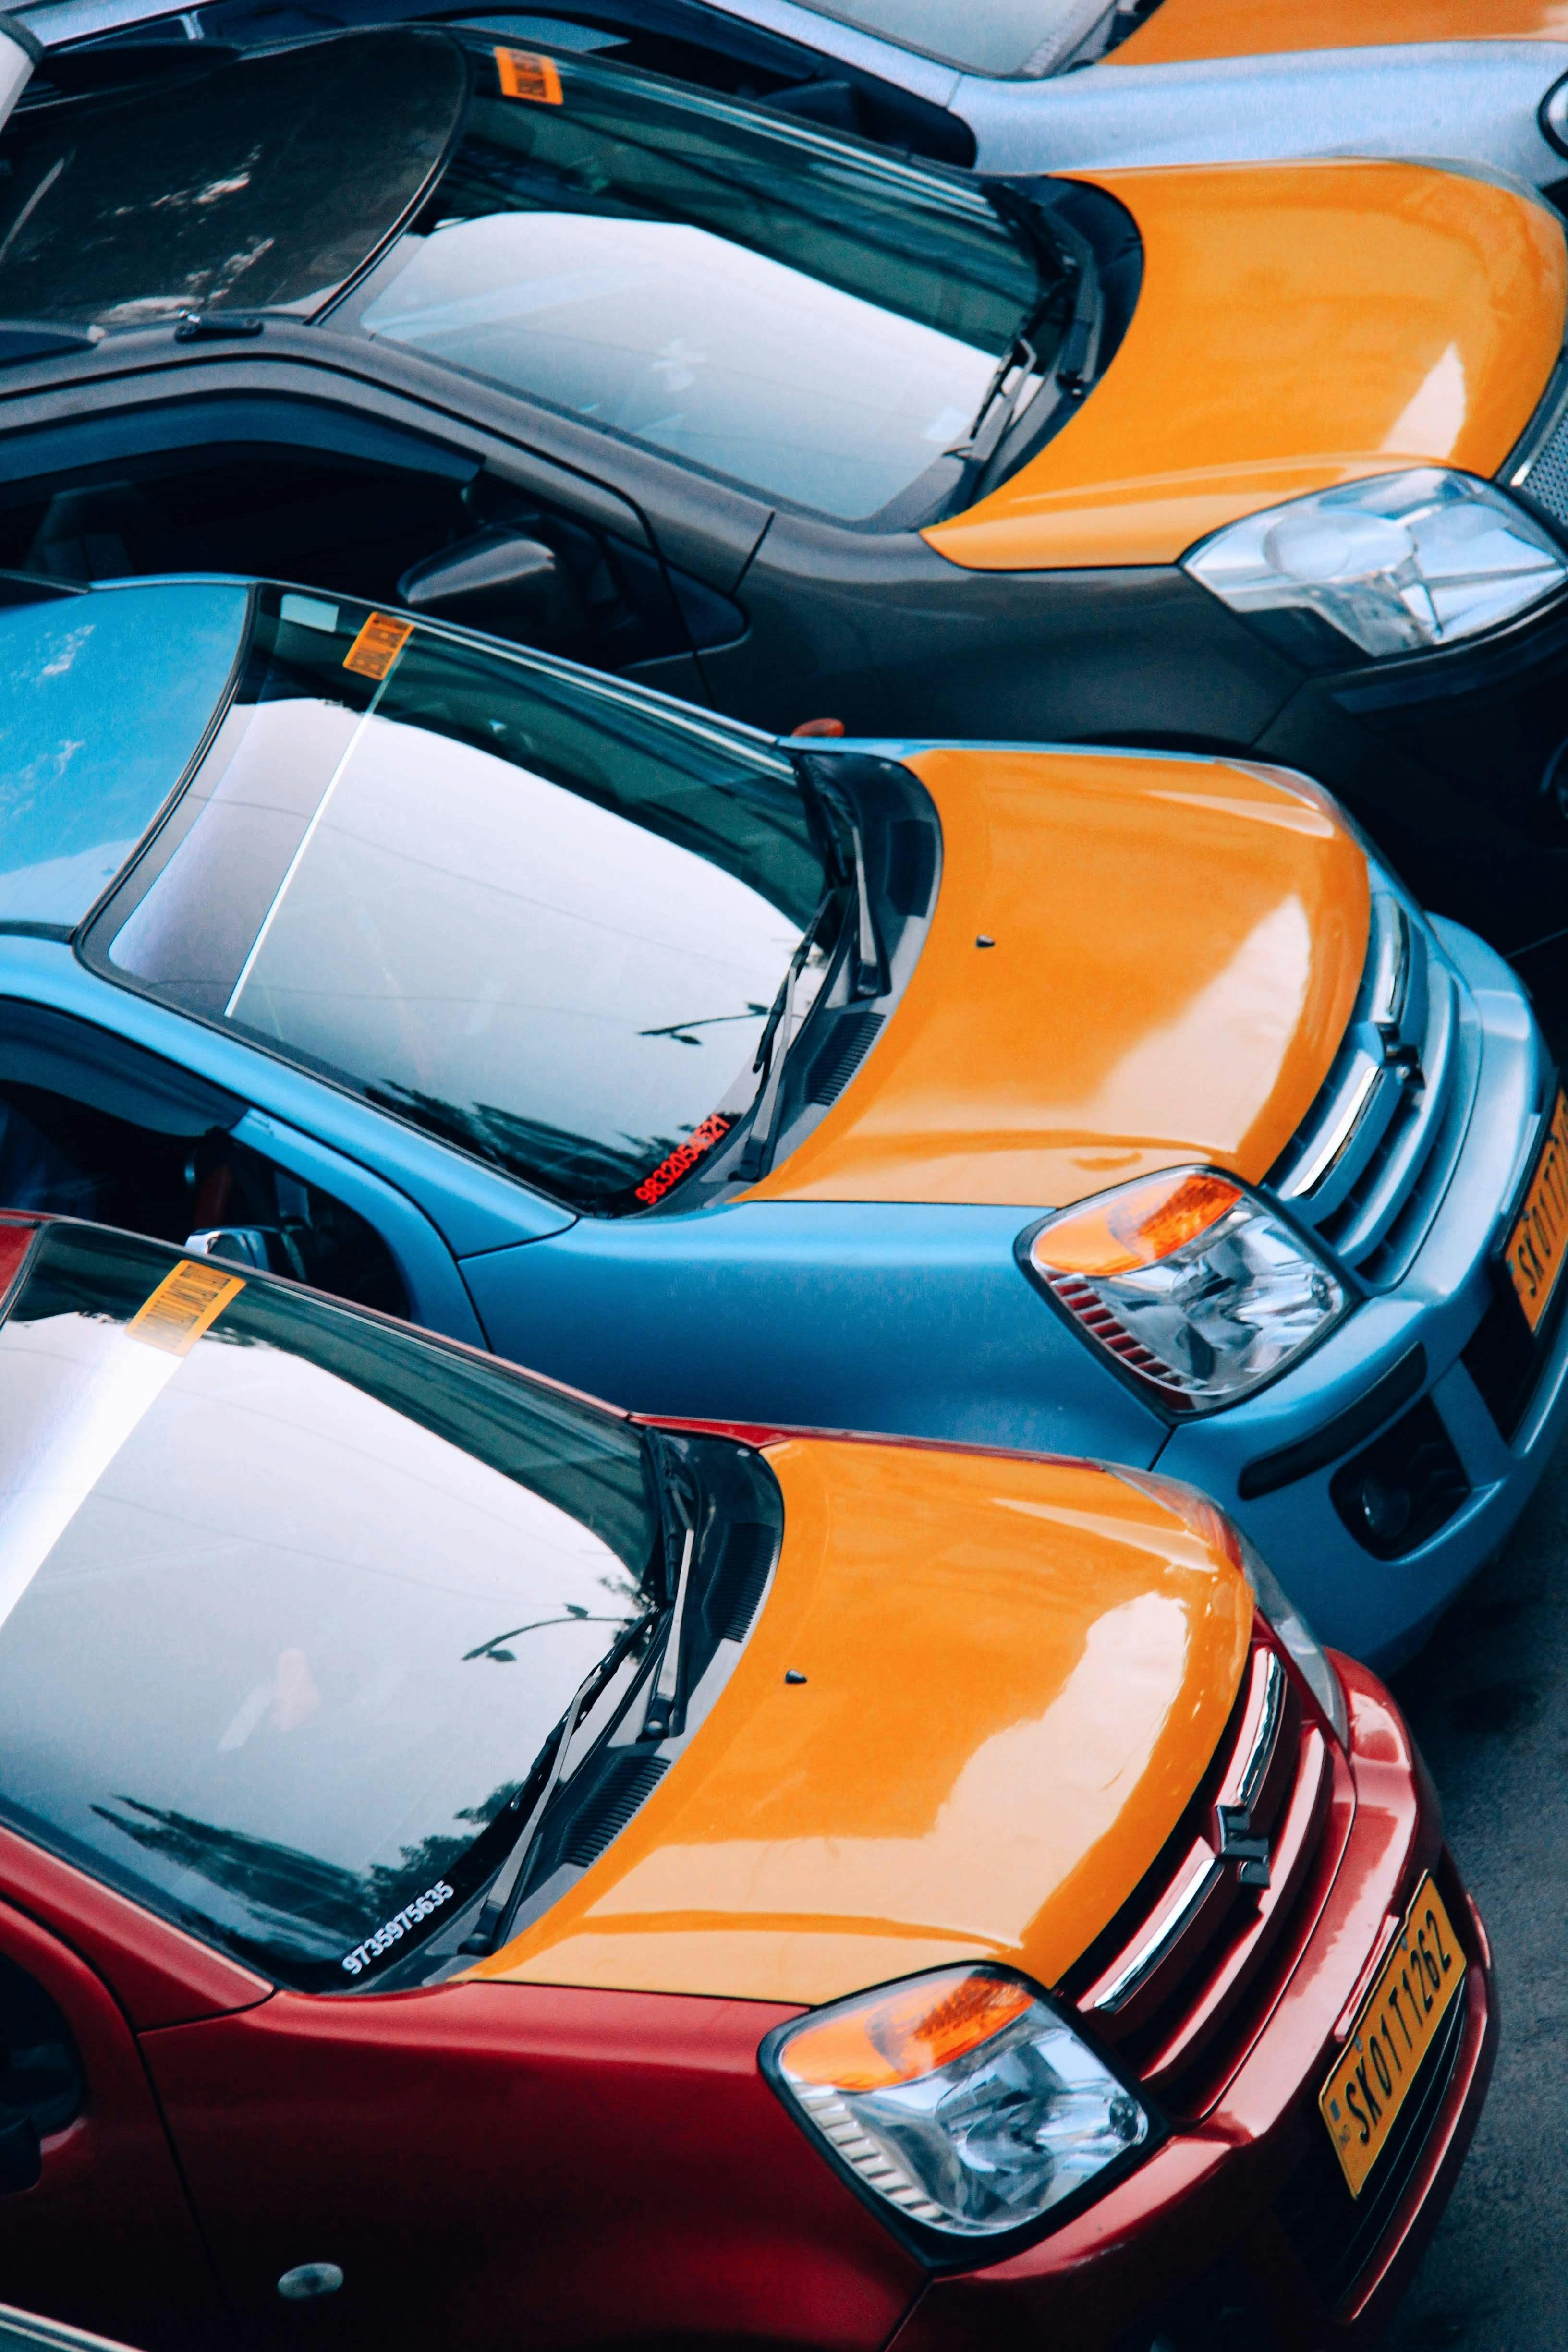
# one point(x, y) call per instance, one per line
point(702, 347)
point(458, 927)
point(96, 727)
point(242, 1592)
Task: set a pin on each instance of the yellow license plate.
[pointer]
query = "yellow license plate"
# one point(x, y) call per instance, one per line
point(1536, 1246)
point(1393, 2034)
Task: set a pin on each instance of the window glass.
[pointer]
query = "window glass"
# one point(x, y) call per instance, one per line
point(539, 914)
point(103, 701)
point(1009, 37)
point(816, 323)
point(286, 1618)
point(261, 183)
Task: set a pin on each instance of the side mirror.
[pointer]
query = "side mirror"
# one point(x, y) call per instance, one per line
point(498, 581)
point(270, 1249)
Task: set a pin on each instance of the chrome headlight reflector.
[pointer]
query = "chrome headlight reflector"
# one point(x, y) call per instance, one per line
point(959, 2099)
point(1191, 1283)
point(1396, 565)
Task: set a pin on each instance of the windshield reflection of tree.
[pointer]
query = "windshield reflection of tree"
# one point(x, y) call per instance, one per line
point(287, 1892)
point(578, 1168)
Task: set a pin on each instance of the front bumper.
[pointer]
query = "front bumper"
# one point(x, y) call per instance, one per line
point(1382, 1608)
point(1231, 2235)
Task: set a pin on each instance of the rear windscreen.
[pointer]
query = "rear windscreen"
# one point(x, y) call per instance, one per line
point(290, 1601)
point(260, 184)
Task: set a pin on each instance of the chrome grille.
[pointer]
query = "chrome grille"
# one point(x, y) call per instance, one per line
point(1368, 1168)
point(1539, 472)
point(1182, 1980)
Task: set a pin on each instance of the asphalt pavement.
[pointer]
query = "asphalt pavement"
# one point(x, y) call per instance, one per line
point(1488, 1700)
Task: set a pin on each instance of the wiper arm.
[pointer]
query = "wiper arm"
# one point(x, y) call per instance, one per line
point(772, 1048)
point(999, 406)
point(660, 1720)
point(866, 976)
point(490, 1928)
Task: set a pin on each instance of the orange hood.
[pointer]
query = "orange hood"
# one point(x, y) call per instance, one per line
point(1182, 29)
point(1017, 1673)
point(1300, 325)
point(1177, 949)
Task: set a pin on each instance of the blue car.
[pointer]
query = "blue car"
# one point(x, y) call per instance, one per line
point(1110, 1104)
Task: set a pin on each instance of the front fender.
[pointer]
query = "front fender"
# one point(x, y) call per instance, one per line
point(912, 1320)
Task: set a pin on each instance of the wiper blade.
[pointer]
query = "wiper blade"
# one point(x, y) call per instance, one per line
point(490, 1928)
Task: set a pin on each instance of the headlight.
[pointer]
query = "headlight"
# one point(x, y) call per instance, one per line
point(1217, 1529)
point(958, 2099)
point(1189, 1283)
point(1396, 565)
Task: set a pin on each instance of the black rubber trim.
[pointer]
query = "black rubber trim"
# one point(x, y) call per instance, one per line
point(31, 46)
point(1342, 1435)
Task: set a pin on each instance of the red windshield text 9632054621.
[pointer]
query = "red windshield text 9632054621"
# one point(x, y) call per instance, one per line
point(685, 1155)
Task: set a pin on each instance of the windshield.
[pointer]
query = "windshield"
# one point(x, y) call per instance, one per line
point(97, 728)
point(817, 322)
point(542, 915)
point(1015, 38)
point(290, 1602)
point(257, 185)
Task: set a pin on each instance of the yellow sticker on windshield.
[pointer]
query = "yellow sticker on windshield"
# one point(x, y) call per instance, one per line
point(525, 75)
point(185, 1304)
point(377, 646)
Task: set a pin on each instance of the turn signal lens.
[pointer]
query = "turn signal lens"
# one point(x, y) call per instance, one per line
point(1191, 1283)
point(960, 2099)
point(904, 2033)
point(1137, 1226)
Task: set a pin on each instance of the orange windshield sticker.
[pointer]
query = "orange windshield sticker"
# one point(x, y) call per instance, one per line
point(525, 75)
point(377, 646)
point(185, 1304)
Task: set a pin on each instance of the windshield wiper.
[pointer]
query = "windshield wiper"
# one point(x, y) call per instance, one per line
point(678, 1531)
point(998, 407)
point(499, 1904)
point(867, 977)
point(678, 1519)
point(772, 1050)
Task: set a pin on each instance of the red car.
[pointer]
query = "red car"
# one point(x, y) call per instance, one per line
point(476, 1870)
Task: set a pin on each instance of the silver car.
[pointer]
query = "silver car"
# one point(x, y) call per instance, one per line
point(1033, 85)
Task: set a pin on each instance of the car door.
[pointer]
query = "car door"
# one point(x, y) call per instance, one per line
point(95, 2226)
point(92, 1124)
point(235, 463)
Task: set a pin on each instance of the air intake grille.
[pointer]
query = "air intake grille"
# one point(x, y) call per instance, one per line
point(1186, 1976)
point(1543, 481)
point(852, 1038)
point(617, 1795)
